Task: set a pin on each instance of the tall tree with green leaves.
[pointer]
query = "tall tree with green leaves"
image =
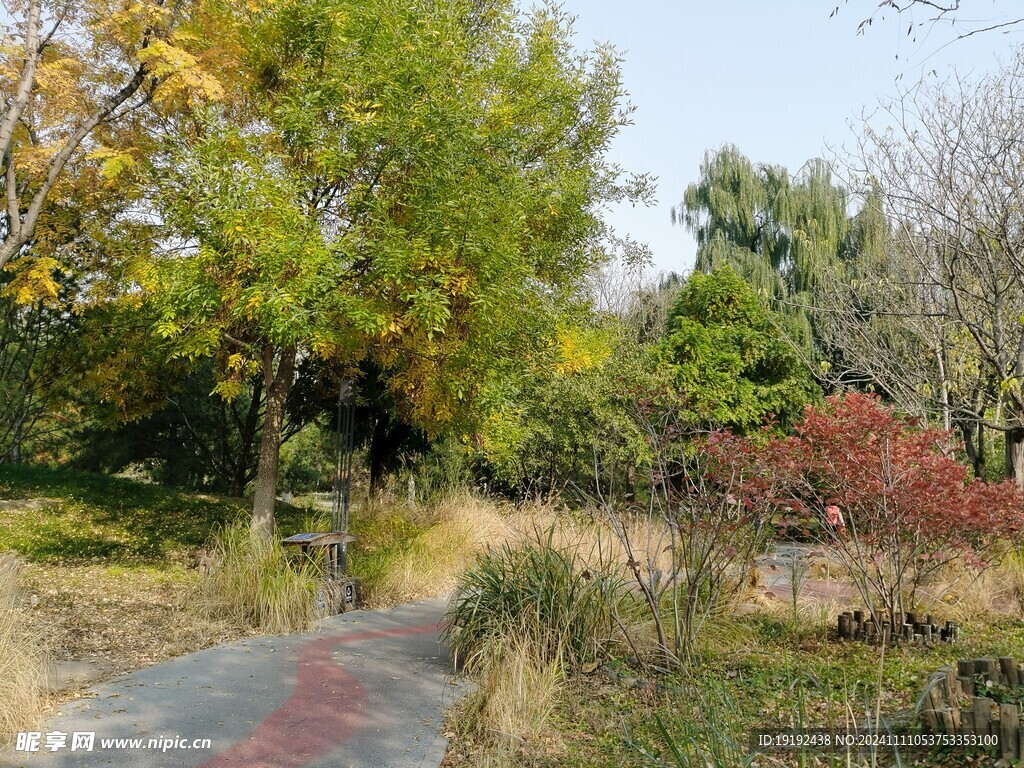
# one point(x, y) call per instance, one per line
point(725, 358)
point(417, 185)
point(778, 232)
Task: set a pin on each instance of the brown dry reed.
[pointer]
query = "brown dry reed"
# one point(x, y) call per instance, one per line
point(23, 660)
point(257, 585)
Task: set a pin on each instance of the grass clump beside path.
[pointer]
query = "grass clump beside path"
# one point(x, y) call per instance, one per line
point(23, 663)
point(255, 583)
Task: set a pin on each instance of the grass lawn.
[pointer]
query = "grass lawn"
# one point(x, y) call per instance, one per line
point(109, 561)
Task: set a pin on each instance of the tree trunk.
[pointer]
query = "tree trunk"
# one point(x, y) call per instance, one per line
point(979, 459)
point(248, 429)
point(1015, 455)
point(975, 451)
point(278, 384)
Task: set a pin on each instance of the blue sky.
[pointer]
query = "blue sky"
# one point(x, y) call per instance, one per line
point(778, 78)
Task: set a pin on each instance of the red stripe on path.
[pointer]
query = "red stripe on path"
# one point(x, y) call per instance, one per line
point(326, 707)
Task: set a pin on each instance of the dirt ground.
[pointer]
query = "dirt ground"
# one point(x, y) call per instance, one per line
point(99, 621)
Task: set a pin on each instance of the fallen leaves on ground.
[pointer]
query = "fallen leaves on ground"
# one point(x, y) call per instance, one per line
point(122, 618)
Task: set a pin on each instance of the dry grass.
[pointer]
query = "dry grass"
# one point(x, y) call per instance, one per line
point(456, 529)
point(23, 662)
point(516, 694)
point(122, 619)
point(997, 591)
point(257, 585)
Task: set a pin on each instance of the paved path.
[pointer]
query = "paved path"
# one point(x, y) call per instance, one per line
point(777, 571)
point(367, 689)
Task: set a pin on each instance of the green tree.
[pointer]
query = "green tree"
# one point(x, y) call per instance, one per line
point(780, 233)
point(565, 424)
point(726, 359)
point(414, 185)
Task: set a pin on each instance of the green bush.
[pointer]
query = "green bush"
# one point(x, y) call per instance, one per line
point(537, 591)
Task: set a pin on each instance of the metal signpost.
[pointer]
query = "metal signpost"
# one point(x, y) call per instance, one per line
point(339, 592)
point(343, 465)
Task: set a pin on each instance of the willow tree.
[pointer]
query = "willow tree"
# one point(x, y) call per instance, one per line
point(417, 185)
point(778, 232)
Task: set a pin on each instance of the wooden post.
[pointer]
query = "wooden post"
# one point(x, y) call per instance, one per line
point(844, 626)
point(886, 635)
point(943, 713)
point(1008, 666)
point(967, 719)
point(952, 684)
point(966, 685)
point(930, 711)
point(982, 716)
point(988, 667)
point(965, 668)
point(1009, 731)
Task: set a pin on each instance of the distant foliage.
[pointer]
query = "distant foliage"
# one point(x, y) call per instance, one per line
point(777, 230)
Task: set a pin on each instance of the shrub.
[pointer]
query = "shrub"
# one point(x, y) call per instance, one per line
point(710, 521)
point(516, 692)
point(537, 591)
point(429, 561)
point(908, 505)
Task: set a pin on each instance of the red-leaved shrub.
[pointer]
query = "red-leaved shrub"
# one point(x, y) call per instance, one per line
point(908, 506)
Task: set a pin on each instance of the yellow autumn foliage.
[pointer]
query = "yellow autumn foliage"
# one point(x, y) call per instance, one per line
point(579, 351)
point(33, 281)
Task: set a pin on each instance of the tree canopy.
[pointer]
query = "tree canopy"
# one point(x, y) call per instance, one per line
point(419, 186)
point(730, 365)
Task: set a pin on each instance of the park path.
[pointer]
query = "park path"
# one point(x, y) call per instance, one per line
point(776, 571)
point(368, 688)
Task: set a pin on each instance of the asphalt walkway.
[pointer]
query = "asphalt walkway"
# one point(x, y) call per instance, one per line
point(367, 689)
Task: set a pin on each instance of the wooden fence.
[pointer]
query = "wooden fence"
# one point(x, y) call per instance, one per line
point(980, 697)
point(908, 628)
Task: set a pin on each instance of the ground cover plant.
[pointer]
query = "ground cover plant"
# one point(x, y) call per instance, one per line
point(763, 668)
